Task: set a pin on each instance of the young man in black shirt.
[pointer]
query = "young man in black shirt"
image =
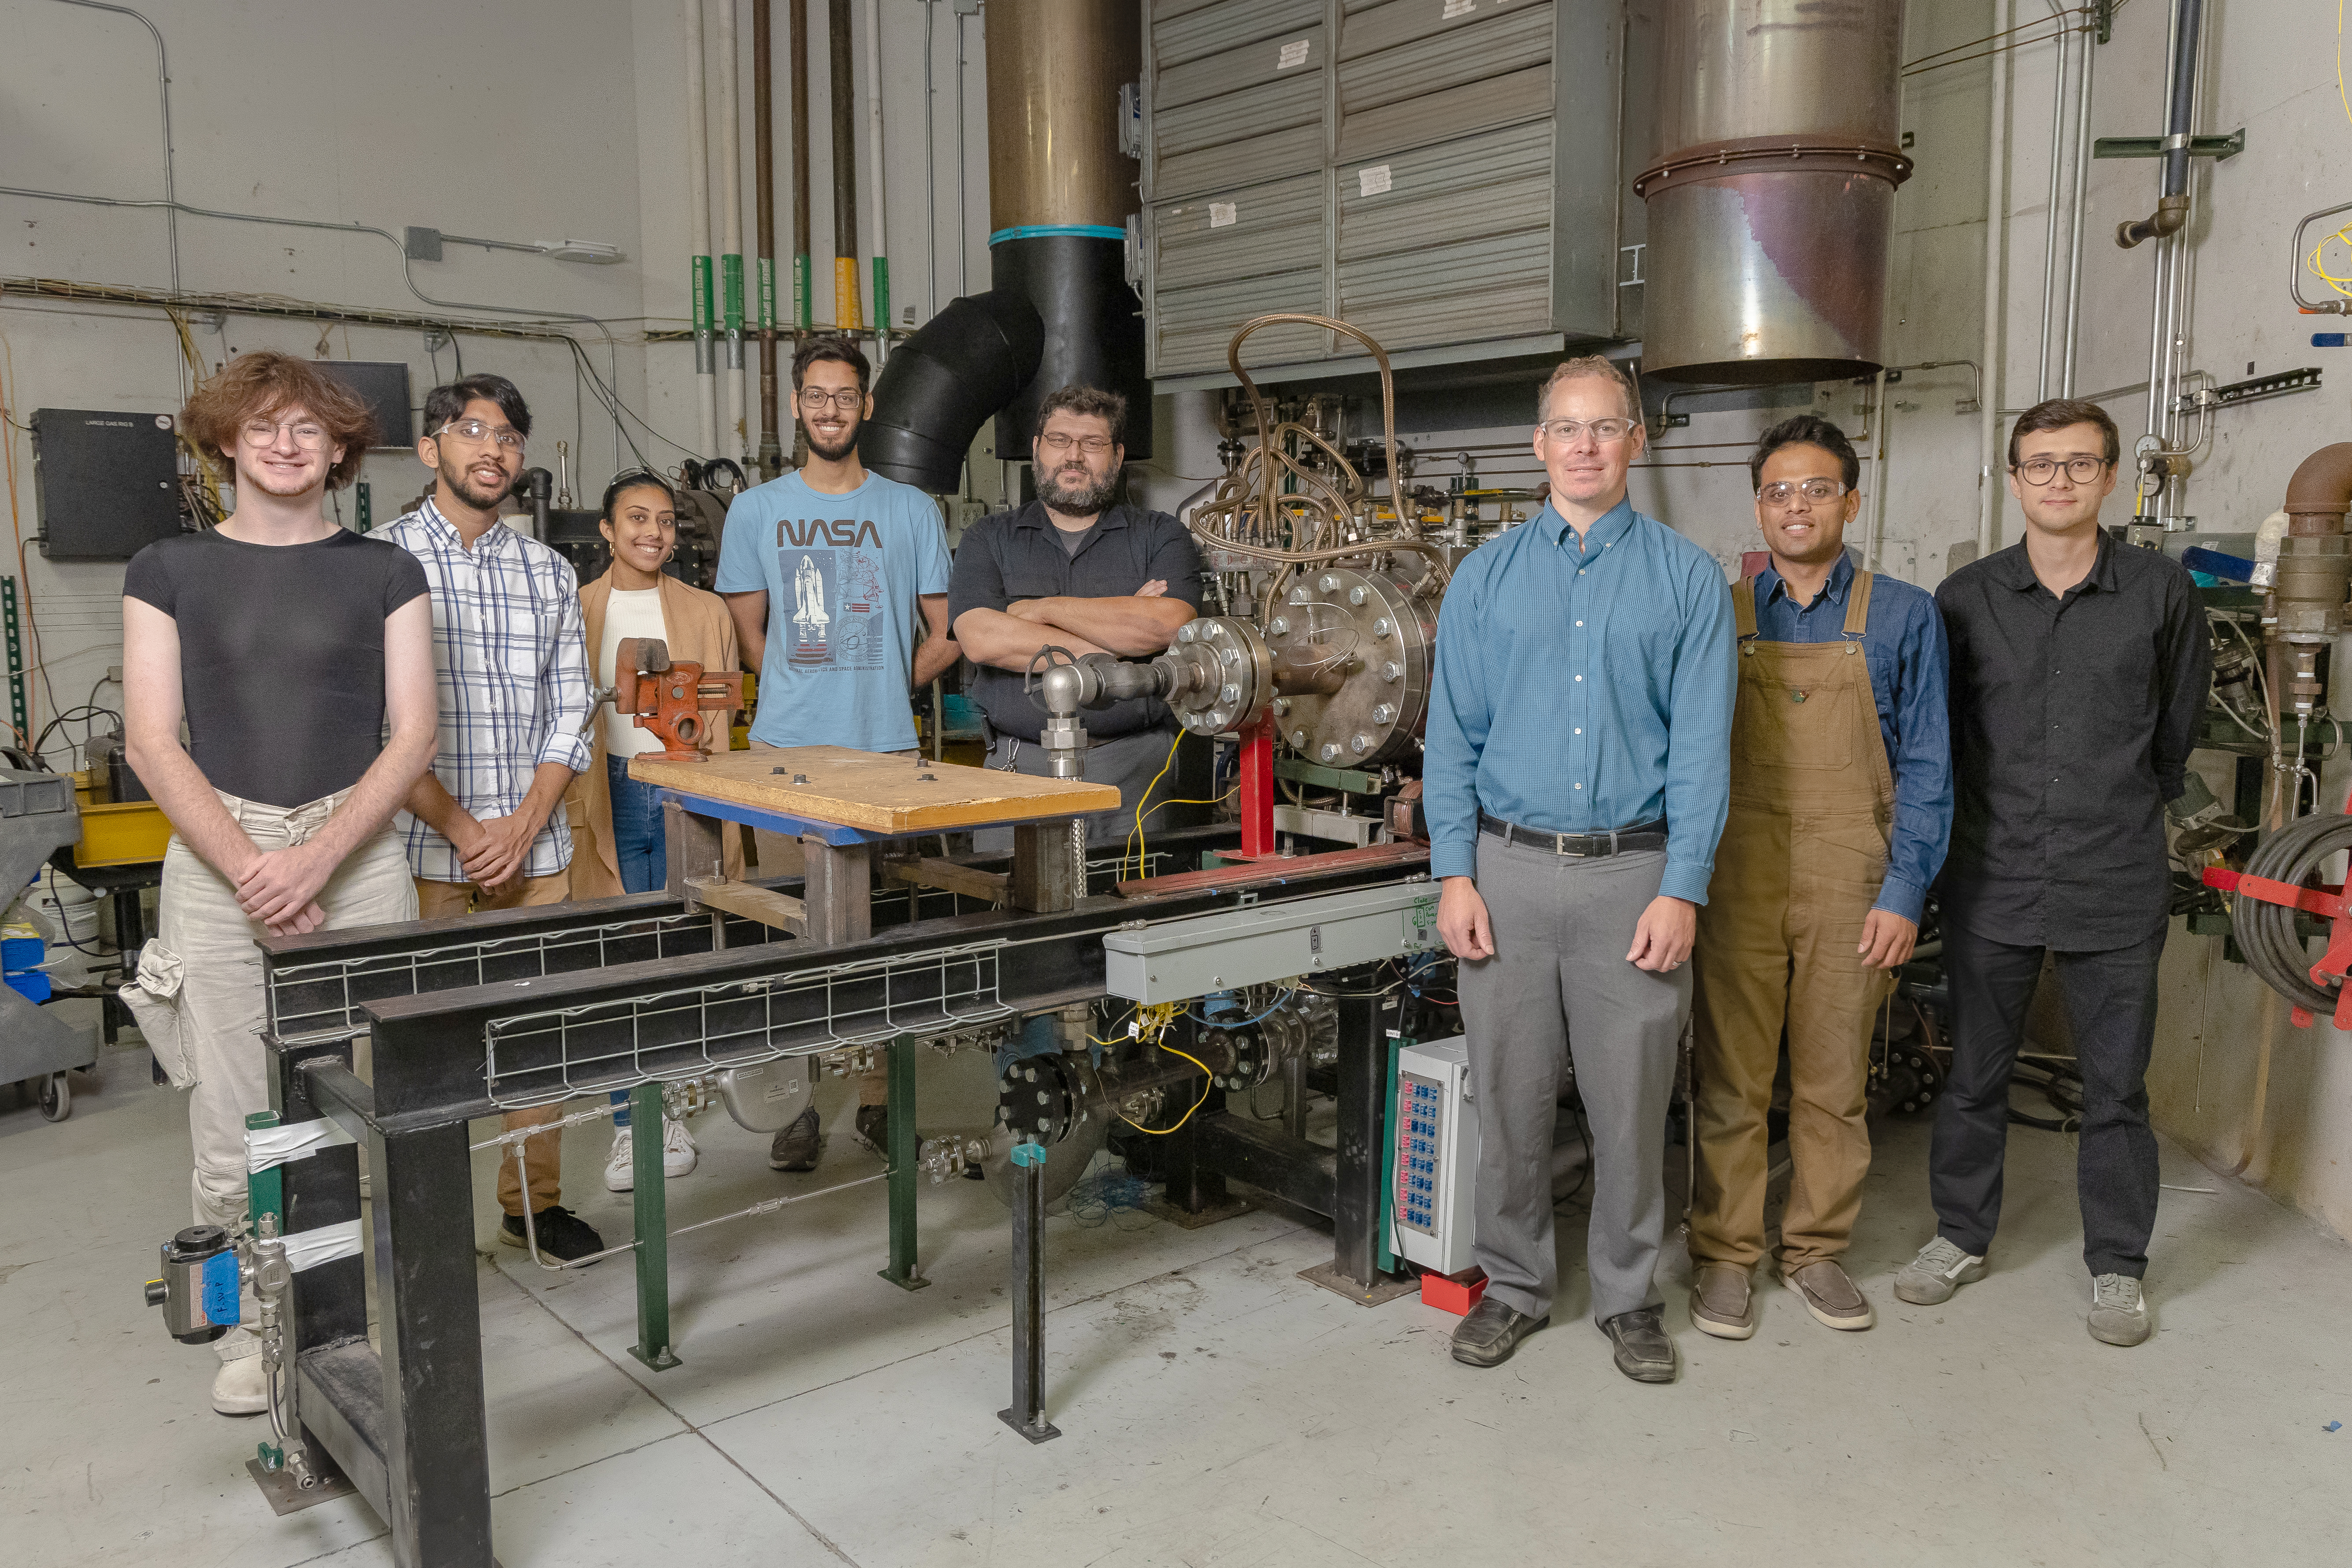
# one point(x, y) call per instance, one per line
point(2079, 668)
point(291, 649)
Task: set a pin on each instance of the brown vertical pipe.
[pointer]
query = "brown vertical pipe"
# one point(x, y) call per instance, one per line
point(763, 178)
point(846, 313)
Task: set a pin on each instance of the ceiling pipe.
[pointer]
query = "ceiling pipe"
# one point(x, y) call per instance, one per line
point(735, 439)
point(697, 202)
point(876, 162)
point(1995, 350)
point(2172, 213)
point(764, 183)
point(1060, 311)
point(804, 279)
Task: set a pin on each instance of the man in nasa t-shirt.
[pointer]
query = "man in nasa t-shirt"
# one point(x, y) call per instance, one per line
point(829, 572)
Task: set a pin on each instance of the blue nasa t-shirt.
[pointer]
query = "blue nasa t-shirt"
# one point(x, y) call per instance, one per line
point(843, 573)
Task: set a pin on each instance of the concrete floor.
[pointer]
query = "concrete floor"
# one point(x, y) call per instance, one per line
point(1216, 1409)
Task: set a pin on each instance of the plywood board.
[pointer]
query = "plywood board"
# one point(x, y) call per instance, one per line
point(874, 793)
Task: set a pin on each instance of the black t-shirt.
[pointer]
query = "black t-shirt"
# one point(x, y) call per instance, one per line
point(1021, 554)
point(281, 654)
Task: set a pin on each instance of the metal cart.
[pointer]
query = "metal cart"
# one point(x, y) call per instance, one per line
point(38, 818)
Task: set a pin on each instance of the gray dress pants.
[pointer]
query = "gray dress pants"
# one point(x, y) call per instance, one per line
point(1558, 991)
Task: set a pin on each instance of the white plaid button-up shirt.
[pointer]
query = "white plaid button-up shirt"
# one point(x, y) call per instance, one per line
point(511, 665)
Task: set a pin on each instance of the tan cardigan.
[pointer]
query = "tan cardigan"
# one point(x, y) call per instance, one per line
point(700, 631)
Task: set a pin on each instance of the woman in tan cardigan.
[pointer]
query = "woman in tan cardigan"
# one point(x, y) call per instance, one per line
point(616, 821)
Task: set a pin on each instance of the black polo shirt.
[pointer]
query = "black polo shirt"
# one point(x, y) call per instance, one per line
point(2073, 719)
point(1017, 555)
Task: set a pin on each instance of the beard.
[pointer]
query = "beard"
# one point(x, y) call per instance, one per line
point(837, 450)
point(461, 484)
point(1076, 493)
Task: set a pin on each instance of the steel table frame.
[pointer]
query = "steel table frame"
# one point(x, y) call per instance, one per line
point(406, 1422)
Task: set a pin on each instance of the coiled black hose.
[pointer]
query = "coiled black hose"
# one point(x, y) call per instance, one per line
point(2265, 932)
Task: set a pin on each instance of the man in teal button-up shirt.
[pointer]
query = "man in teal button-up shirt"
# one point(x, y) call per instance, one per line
point(1577, 780)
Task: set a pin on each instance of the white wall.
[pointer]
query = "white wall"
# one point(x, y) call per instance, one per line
point(527, 121)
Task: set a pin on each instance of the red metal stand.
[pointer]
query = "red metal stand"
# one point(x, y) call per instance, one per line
point(2328, 904)
point(1257, 791)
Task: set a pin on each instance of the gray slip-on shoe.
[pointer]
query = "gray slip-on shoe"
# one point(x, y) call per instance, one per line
point(1720, 1302)
point(1829, 1294)
point(1644, 1353)
point(1491, 1332)
point(2119, 1311)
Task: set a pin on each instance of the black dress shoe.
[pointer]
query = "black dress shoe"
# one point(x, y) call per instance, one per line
point(1491, 1332)
point(1645, 1353)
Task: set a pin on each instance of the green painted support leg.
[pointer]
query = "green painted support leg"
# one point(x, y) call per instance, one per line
point(265, 1191)
point(903, 1145)
point(653, 1228)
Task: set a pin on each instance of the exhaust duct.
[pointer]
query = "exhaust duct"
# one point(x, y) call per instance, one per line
point(1772, 204)
point(1060, 308)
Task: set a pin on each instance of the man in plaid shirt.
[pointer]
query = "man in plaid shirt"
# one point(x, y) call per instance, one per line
point(484, 829)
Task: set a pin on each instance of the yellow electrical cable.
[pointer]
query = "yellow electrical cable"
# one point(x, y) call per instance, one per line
point(1135, 833)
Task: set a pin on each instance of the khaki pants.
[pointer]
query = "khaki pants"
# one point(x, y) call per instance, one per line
point(209, 1034)
point(543, 1156)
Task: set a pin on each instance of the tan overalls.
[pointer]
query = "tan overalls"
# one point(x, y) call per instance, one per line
point(1796, 871)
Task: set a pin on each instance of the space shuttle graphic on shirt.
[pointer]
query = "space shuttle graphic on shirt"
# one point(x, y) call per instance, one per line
point(836, 570)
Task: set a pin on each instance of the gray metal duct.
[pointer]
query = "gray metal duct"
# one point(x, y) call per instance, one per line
point(1771, 204)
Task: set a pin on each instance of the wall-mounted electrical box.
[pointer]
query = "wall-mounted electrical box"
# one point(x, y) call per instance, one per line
point(1431, 1216)
point(105, 485)
point(383, 386)
point(1448, 176)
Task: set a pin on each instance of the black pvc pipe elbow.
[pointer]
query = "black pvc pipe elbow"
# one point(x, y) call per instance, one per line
point(939, 387)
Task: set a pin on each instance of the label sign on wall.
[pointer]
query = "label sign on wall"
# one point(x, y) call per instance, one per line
point(1223, 214)
point(1294, 53)
point(1458, 8)
point(1372, 182)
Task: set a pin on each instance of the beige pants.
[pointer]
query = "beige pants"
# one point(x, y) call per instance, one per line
point(542, 1157)
point(216, 1049)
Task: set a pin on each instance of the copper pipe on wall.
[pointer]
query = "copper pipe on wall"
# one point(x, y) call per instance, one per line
point(763, 179)
point(847, 312)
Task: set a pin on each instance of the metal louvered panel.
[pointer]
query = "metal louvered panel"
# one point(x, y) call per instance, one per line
point(1212, 28)
point(1297, 52)
point(1239, 233)
point(1474, 188)
point(1449, 57)
point(1261, 132)
point(1191, 327)
point(1502, 100)
point(1480, 288)
point(1375, 24)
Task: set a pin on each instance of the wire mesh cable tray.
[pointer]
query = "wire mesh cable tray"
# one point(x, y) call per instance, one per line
point(544, 1058)
point(322, 1000)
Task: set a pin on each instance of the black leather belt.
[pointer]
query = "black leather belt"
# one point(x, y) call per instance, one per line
point(1621, 841)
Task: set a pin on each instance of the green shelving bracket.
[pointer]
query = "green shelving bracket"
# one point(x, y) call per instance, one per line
point(651, 1201)
point(2214, 147)
point(265, 1191)
point(905, 1149)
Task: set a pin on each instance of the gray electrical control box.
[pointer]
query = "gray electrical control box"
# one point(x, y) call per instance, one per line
point(1261, 943)
point(105, 485)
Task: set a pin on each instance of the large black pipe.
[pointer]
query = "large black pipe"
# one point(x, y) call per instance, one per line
point(1060, 313)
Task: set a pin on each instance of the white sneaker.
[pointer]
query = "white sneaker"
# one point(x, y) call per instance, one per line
point(2118, 1310)
point(678, 1150)
point(620, 1168)
point(241, 1387)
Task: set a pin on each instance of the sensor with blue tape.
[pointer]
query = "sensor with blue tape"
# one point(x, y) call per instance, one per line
point(223, 1285)
point(2213, 563)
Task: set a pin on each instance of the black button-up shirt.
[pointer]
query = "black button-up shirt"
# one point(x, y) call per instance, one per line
point(2072, 723)
point(1018, 555)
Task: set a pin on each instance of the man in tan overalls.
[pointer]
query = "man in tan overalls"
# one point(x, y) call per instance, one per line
point(1840, 809)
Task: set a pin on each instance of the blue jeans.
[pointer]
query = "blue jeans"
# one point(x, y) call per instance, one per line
point(638, 844)
point(641, 851)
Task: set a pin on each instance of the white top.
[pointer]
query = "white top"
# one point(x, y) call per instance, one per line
point(628, 613)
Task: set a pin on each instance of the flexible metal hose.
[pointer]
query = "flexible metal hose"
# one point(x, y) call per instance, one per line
point(2265, 930)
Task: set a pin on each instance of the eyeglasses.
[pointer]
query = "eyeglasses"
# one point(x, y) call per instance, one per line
point(2042, 470)
point(1092, 446)
point(507, 437)
point(817, 399)
point(1605, 432)
point(308, 434)
point(1781, 492)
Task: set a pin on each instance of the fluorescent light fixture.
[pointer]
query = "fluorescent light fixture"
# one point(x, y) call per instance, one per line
point(588, 250)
